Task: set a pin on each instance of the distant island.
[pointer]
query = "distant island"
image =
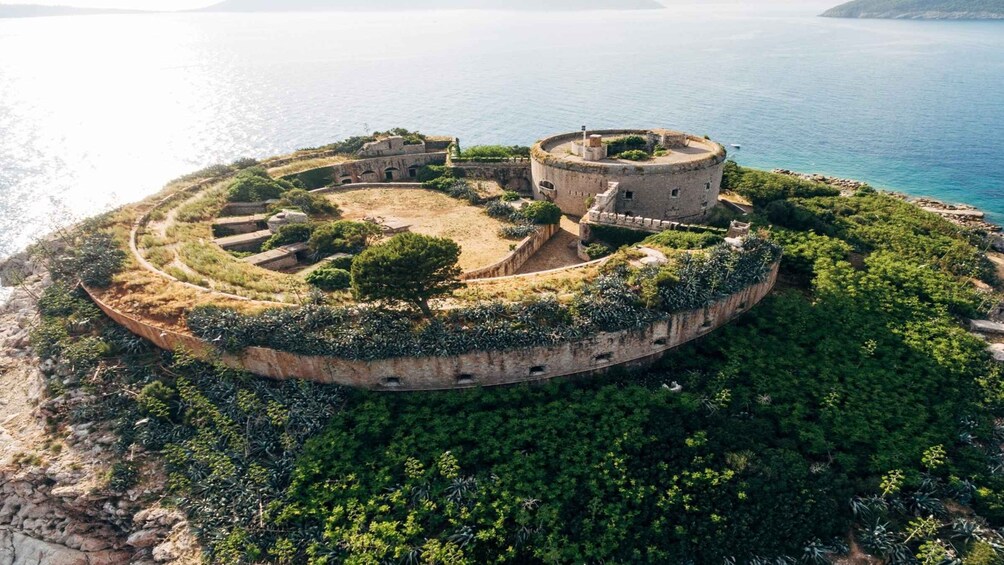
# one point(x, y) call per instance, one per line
point(920, 9)
point(386, 5)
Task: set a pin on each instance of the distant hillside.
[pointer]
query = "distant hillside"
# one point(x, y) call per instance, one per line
point(383, 5)
point(33, 11)
point(920, 9)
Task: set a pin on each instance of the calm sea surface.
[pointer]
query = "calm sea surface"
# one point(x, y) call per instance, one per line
point(99, 111)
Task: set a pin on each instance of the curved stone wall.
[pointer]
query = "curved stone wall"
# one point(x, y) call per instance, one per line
point(480, 368)
point(650, 185)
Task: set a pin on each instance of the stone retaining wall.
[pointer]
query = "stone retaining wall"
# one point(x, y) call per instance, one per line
point(480, 368)
point(513, 261)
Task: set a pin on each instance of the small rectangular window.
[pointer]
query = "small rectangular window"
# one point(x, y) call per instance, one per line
point(661, 342)
point(707, 186)
point(392, 382)
point(465, 379)
point(538, 371)
point(629, 195)
point(675, 193)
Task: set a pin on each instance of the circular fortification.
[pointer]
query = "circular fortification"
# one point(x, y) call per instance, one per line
point(659, 174)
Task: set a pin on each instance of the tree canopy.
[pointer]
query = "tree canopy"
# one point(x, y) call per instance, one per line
point(409, 267)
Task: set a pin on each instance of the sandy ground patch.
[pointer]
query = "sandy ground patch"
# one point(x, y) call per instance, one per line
point(559, 251)
point(430, 213)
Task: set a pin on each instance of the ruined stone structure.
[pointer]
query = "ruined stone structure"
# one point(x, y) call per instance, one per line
point(680, 183)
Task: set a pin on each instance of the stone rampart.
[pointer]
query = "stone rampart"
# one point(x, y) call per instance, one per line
point(513, 261)
point(513, 174)
point(391, 168)
point(594, 354)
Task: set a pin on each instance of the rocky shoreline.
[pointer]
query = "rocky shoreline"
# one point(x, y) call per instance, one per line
point(962, 215)
point(55, 507)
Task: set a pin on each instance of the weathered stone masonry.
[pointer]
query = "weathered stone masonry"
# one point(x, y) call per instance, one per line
point(480, 368)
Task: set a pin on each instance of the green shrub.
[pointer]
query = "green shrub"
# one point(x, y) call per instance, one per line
point(677, 239)
point(343, 262)
point(634, 155)
point(510, 196)
point(761, 187)
point(628, 143)
point(47, 338)
point(342, 236)
point(290, 233)
point(156, 398)
point(330, 279)
point(122, 476)
point(617, 237)
point(597, 251)
point(255, 185)
point(306, 202)
point(57, 300)
point(94, 261)
point(518, 232)
point(430, 173)
point(486, 152)
point(541, 212)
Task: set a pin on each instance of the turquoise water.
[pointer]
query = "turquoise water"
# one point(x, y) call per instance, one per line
point(98, 111)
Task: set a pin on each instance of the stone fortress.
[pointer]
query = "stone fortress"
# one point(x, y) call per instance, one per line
point(676, 182)
point(679, 182)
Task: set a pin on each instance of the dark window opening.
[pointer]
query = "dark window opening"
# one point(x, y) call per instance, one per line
point(347, 180)
point(392, 382)
point(675, 193)
point(389, 173)
point(546, 185)
point(604, 357)
point(412, 172)
point(661, 342)
point(465, 379)
point(629, 195)
point(537, 370)
point(707, 186)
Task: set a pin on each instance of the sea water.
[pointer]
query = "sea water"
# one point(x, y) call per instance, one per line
point(97, 111)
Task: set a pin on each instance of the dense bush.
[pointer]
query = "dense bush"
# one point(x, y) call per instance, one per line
point(628, 143)
point(330, 279)
point(342, 236)
point(290, 233)
point(486, 152)
point(634, 155)
point(309, 203)
point(597, 251)
point(510, 196)
point(518, 232)
point(541, 212)
point(94, 260)
point(343, 262)
point(255, 185)
point(678, 239)
point(761, 187)
point(432, 172)
point(617, 237)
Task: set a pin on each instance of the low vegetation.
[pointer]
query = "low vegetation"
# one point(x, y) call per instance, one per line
point(255, 185)
point(851, 406)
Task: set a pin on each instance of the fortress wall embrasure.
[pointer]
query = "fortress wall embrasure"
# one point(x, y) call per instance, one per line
point(480, 368)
